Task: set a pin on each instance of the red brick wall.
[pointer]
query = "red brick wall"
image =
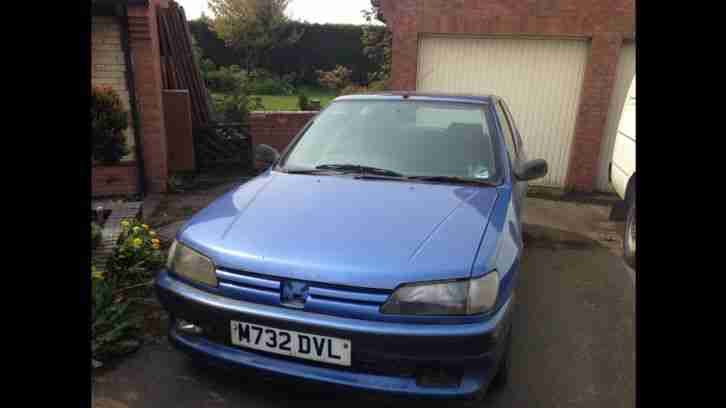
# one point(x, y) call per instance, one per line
point(605, 22)
point(277, 129)
point(120, 179)
point(145, 53)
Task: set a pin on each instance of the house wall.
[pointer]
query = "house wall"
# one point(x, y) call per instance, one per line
point(108, 66)
point(115, 180)
point(605, 23)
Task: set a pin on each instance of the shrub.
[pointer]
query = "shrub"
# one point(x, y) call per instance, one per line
point(226, 79)
point(374, 86)
point(96, 277)
point(268, 86)
point(137, 255)
point(233, 80)
point(254, 103)
point(354, 89)
point(114, 328)
point(378, 86)
point(108, 122)
point(230, 107)
point(235, 107)
point(337, 79)
point(95, 235)
point(302, 101)
point(262, 82)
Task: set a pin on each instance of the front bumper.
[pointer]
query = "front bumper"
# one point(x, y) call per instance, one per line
point(387, 357)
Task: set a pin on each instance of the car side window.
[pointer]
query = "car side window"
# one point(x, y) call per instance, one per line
point(508, 138)
point(517, 137)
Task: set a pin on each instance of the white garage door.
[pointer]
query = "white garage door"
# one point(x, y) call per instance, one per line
point(540, 79)
point(623, 78)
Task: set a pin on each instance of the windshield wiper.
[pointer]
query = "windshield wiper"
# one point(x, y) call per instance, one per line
point(368, 171)
point(355, 168)
point(452, 179)
point(300, 171)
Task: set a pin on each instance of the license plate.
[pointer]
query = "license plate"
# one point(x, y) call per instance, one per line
point(290, 343)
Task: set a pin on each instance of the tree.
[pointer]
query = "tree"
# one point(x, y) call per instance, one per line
point(254, 27)
point(205, 64)
point(377, 42)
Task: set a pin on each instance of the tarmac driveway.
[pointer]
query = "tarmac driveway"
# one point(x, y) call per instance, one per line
point(574, 343)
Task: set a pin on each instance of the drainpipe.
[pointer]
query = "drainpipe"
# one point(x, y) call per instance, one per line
point(132, 100)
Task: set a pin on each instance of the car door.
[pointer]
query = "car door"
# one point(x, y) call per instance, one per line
point(515, 153)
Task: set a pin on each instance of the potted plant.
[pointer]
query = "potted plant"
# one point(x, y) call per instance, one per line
point(108, 123)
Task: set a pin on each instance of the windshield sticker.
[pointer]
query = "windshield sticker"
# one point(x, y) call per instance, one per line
point(479, 171)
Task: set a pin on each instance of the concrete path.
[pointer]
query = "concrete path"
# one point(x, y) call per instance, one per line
point(574, 343)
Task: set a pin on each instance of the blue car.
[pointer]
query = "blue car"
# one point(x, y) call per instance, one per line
point(378, 252)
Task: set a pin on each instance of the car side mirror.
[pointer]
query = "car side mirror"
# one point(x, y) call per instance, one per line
point(266, 155)
point(531, 170)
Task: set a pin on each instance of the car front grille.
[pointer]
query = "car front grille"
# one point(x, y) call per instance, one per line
point(322, 298)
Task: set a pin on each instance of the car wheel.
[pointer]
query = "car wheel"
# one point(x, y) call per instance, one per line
point(629, 238)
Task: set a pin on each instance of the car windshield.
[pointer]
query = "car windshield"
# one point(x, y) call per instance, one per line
point(405, 138)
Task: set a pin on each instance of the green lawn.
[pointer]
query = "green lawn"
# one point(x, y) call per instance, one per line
point(289, 103)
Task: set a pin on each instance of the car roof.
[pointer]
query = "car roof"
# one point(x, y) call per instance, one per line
point(426, 96)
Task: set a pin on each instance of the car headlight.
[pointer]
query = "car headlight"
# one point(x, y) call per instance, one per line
point(190, 264)
point(464, 297)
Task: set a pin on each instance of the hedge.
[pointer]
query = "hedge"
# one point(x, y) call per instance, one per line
point(322, 47)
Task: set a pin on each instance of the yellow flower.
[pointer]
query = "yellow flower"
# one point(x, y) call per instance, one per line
point(146, 227)
point(136, 229)
point(156, 246)
point(152, 233)
point(155, 241)
point(137, 242)
point(96, 274)
point(125, 224)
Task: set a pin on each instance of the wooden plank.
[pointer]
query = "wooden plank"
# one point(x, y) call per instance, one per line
point(167, 25)
point(187, 59)
point(164, 73)
point(204, 94)
point(183, 71)
point(215, 144)
point(178, 61)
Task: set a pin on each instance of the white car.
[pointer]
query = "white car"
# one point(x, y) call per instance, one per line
point(622, 171)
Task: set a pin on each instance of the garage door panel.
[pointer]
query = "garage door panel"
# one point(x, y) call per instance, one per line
point(539, 79)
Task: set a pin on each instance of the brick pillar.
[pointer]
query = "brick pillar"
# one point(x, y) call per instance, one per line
point(592, 113)
point(404, 62)
point(401, 16)
point(145, 54)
